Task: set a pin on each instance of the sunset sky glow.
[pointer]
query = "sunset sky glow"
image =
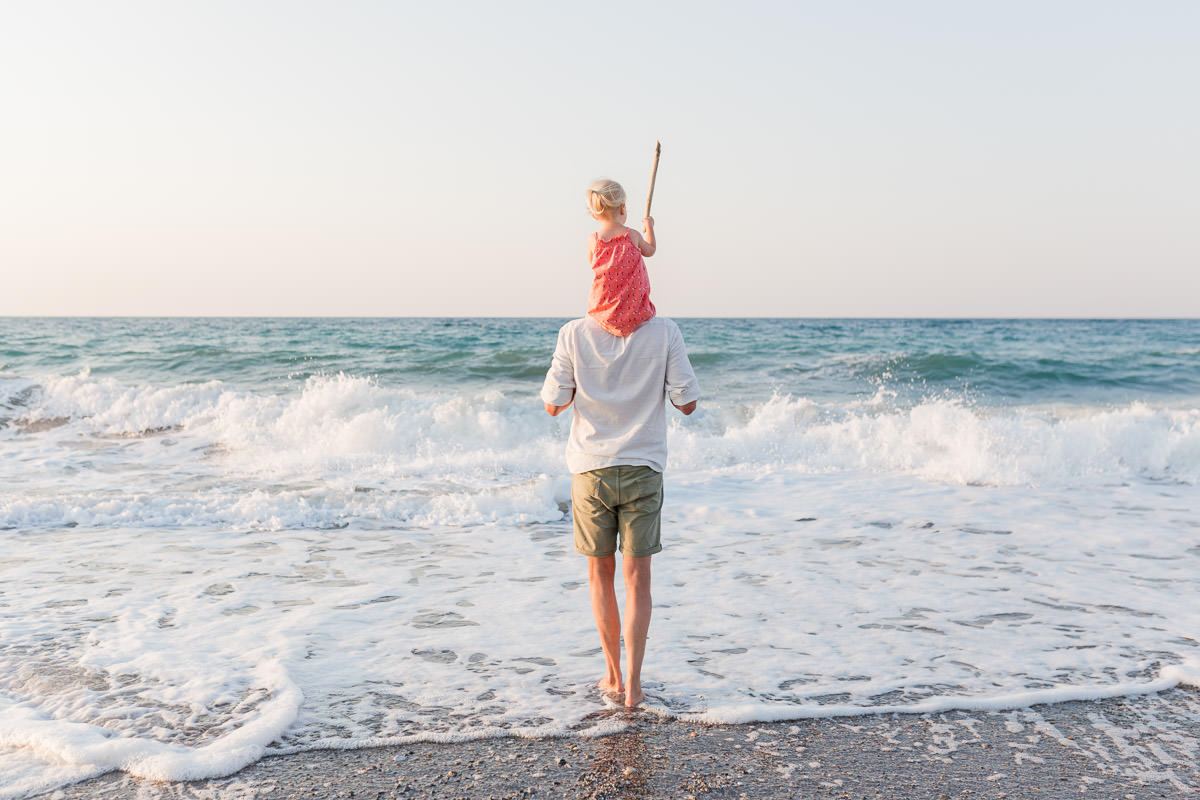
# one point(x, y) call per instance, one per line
point(399, 159)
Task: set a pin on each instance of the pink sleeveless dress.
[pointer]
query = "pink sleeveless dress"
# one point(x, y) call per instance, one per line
point(620, 298)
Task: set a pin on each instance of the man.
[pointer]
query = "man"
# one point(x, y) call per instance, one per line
point(617, 452)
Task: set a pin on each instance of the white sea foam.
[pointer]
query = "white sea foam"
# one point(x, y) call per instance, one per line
point(947, 440)
point(345, 448)
point(1168, 679)
point(205, 573)
point(93, 747)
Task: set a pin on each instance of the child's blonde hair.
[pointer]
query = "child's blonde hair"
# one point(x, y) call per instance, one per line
point(604, 197)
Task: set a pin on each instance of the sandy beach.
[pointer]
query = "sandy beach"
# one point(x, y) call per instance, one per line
point(1129, 748)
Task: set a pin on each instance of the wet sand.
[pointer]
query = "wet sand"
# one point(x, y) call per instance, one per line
point(1129, 748)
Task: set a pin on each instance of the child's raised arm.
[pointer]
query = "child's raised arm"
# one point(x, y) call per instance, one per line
point(647, 244)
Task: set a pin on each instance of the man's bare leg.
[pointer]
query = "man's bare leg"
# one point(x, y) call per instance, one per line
point(608, 619)
point(637, 623)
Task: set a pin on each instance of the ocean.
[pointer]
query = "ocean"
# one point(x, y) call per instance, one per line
point(226, 538)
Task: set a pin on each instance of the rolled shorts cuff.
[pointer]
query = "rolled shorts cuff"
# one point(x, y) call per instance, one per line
point(626, 553)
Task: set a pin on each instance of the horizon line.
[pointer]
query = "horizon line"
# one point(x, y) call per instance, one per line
point(1081, 318)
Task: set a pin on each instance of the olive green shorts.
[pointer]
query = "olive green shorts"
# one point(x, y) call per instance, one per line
point(622, 501)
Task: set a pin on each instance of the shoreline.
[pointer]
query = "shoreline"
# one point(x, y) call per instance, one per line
point(1144, 746)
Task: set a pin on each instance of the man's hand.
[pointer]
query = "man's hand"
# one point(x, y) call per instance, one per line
point(554, 411)
point(687, 408)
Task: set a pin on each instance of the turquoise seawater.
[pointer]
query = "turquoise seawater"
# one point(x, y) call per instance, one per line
point(993, 362)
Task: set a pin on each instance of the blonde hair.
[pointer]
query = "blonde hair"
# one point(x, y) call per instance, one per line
point(605, 196)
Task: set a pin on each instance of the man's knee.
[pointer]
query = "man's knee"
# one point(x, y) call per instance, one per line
point(636, 571)
point(602, 569)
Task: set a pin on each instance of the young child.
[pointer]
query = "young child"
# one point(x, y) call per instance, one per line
point(620, 298)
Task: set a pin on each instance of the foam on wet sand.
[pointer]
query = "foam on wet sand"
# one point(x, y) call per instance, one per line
point(1129, 748)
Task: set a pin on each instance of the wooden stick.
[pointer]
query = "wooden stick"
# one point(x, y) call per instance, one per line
point(653, 175)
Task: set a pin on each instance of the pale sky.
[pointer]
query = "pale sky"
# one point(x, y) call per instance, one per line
point(409, 159)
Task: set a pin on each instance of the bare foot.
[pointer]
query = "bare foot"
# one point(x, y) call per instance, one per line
point(634, 698)
point(612, 687)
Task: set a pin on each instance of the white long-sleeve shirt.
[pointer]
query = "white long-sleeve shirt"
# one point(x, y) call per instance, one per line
point(620, 385)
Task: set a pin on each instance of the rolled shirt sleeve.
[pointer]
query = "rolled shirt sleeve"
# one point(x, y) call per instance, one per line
point(681, 380)
point(559, 386)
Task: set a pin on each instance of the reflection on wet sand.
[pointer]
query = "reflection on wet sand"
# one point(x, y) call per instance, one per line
point(621, 765)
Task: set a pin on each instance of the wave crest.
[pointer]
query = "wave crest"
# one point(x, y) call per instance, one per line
point(945, 439)
point(340, 448)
